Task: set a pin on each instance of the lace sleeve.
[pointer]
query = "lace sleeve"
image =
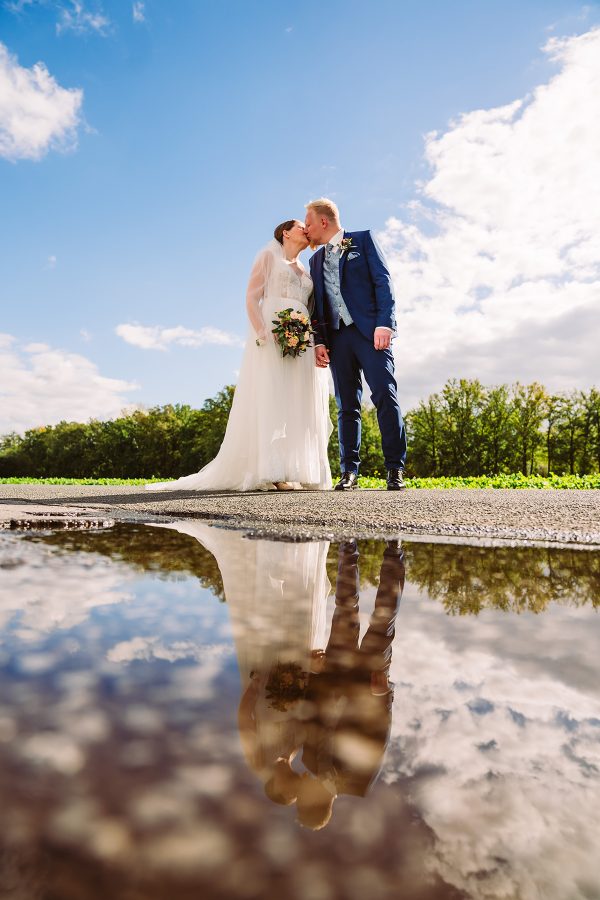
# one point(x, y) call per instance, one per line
point(256, 291)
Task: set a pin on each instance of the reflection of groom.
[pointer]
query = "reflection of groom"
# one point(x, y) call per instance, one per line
point(349, 701)
point(355, 321)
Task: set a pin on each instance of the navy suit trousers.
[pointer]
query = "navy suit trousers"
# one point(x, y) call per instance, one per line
point(351, 354)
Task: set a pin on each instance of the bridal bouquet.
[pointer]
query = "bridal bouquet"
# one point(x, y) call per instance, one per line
point(292, 332)
point(287, 683)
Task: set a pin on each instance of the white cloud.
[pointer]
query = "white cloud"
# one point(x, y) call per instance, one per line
point(497, 269)
point(36, 113)
point(153, 648)
point(75, 17)
point(40, 385)
point(139, 11)
point(51, 262)
point(154, 337)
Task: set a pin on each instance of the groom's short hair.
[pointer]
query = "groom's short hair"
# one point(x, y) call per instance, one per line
point(325, 207)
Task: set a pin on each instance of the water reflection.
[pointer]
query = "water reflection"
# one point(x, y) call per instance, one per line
point(320, 701)
point(276, 594)
point(465, 578)
point(468, 579)
point(349, 694)
point(156, 741)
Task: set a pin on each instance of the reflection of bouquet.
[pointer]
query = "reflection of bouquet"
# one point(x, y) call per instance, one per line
point(285, 685)
point(292, 332)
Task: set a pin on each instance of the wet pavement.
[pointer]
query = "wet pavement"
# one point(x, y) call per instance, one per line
point(559, 516)
point(193, 711)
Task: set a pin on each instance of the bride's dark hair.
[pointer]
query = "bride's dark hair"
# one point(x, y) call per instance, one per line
point(285, 226)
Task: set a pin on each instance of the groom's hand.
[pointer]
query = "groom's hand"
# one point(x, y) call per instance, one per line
point(382, 338)
point(321, 356)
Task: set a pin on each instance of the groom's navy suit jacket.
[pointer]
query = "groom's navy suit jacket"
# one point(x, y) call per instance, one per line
point(365, 284)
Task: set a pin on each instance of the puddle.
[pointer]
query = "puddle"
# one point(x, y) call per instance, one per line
point(193, 712)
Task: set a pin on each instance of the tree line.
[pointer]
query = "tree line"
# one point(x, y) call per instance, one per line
point(465, 429)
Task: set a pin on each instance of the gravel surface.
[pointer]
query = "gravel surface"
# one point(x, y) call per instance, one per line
point(564, 516)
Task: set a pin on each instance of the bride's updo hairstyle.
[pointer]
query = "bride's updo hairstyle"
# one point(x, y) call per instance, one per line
point(285, 226)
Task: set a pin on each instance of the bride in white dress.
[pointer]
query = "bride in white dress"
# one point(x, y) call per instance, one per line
point(279, 424)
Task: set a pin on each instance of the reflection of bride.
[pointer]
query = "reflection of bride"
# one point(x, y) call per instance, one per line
point(276, 592)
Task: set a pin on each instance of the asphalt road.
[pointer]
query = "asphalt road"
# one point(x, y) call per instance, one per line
point(563, 516)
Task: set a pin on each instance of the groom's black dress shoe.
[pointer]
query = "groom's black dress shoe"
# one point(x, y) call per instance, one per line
point(395, 481)
point(348, 481)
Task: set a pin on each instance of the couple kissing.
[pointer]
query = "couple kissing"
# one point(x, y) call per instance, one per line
point(341, 316)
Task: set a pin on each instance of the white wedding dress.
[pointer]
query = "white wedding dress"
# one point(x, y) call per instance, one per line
point(279, 424)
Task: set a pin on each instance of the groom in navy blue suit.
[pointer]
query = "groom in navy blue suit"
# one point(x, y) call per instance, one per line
point(354, 324)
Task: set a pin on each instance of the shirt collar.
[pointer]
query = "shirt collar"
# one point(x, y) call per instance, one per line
point(336, 240)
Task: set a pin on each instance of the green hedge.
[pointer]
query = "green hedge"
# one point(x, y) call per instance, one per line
point(576, 482)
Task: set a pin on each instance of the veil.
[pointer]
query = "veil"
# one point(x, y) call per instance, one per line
point(262, 283)
point(272, 252)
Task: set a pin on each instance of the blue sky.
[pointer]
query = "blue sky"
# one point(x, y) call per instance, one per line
point(200, 126)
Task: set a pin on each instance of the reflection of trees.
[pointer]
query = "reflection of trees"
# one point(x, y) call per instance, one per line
point(371, 559)
point(467, 579)
point(162, 551)
point(167, 553)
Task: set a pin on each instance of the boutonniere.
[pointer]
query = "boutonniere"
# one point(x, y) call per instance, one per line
point(345, 244)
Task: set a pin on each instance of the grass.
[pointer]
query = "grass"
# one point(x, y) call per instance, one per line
point(113, 481)
point(513, 480)
point(516, 480)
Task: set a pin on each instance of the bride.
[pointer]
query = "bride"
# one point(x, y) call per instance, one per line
point(279, 424)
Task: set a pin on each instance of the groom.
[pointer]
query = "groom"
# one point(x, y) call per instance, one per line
point(354, 310)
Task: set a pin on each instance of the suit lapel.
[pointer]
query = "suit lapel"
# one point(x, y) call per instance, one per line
point(343, 258)
point(319, 279)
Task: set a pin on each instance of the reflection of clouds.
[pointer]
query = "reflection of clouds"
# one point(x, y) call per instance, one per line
point(503, 746)
point(191, 682)
point(53, 750)
point(153, 648)
point(43, 590)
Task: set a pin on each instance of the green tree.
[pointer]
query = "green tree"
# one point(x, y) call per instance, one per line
point(496, 431)
point(463, 401)
point(553, 416)
point(371, 454)
point(570, 432)
point(590, 450)
point(425, 426)
point(528, 411)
